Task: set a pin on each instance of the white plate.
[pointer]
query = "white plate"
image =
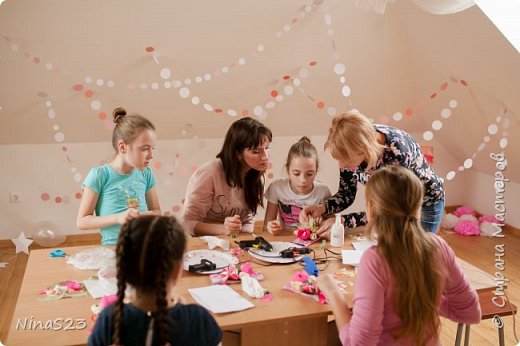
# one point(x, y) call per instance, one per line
point(274, 256)
point(222, 260)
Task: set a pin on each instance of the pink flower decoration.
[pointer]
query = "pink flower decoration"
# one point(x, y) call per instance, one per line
point(267, 298)
point(247, 268)
point(488, 218)
point(466, 227)
point(300, 276)
point(304, 233)
point(72, 285)
point(463, 211)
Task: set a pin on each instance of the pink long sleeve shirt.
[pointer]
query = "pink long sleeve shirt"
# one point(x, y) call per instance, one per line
point(374, 319)
point(210, 199)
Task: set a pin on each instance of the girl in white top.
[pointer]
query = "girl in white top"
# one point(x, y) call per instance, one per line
point(287, 197)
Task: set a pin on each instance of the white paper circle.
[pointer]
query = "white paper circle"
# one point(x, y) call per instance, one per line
point(339, 68)
point(56, 127)
point(176, 83)
point(270, 104)
point(345, 91)
point(397, 116)
point(48, 103)
point(437, 125)
point(167, 84)
point(428, 135)
point(59, 137)
point(77, 177)
point(481, 146)
point(468, 163)
point(279, 98)
point(184, 92)
point(260, 48)
point(331, 111)
point(288, 90)
point(100, 82)
point(208, 107)
point(450, 175)
point(492, 129)
point(232, 112)
point(165, 73)
point(154, 86)
point(296, 82)
point(304, 72)
point(198, 79)
point(51, 113)
point(88, 79)
point(503, 143)
point(287, 28)
point(110, 83)
point(498, 119)
point(342, 79)
point(446, 113)
point(328, 19)
point(224, 69)
point(195, 100)
point(453, 104)
point(241, 61)
point(258, 110)
point(486, 139)
point(207, 76)
point(48, 66)
point(95, 105)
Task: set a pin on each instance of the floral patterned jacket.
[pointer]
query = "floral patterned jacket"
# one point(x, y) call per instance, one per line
point(400, 149)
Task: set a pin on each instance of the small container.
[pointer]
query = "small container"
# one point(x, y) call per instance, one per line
point(337, 233)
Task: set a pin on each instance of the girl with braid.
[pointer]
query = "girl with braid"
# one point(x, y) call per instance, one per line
point(406, 281)
point(149, 259)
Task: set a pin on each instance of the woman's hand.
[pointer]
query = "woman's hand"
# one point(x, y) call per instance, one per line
point(324, 230)
point(128, 214)
point(274, 227)
point(311, 210)
point(232, 224)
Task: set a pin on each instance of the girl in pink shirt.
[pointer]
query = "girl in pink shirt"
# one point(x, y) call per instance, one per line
point(223, 195)
point(405, 281)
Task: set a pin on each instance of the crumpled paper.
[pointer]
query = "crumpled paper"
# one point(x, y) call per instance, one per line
point(213, 242)
point(251, 286)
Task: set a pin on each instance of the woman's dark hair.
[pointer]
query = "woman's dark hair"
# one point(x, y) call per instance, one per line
point(149, 248)
point(128, 126)
point(245, 133)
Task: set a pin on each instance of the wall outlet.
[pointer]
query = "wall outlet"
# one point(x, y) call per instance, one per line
point(15, 197)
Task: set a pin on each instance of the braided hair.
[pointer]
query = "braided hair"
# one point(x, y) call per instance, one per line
point(136, 266)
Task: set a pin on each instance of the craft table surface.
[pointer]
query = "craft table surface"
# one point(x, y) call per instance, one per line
point(297, 315)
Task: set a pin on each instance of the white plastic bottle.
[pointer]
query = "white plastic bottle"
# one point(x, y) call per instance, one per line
point(337, 233)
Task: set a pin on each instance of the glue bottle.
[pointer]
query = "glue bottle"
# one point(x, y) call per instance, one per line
point(337, 233)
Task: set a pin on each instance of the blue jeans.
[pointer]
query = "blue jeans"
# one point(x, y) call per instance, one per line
point(431, 217)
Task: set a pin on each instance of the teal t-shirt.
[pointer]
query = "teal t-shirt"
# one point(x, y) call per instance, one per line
point(114, 190)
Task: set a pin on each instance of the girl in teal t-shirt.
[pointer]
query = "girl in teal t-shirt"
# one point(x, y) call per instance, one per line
point(124, 188)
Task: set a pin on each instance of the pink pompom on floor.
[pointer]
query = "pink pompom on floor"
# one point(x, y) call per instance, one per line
point(488, 218)
point(466, 227)
point(464, 211)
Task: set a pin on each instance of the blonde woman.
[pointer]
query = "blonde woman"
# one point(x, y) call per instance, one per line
point(405, 281)
point(361, 148)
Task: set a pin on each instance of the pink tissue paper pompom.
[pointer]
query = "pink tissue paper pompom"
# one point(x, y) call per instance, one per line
point(469, 217)
point(464, 211)
point(449, 221)
point(488, 218)
point(466, 227)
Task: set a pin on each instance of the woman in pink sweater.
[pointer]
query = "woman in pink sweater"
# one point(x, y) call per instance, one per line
point(223, 195)
point(405, 281)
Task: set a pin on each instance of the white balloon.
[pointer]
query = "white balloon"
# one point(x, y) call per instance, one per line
point(47, 234)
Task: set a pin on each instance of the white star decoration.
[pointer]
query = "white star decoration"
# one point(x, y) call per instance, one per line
point(22, 243)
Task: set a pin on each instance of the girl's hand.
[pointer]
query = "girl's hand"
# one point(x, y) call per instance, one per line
point(128, 214)
point(311, 210)
point(232, 224)
point(274, 227)
point(328, 286)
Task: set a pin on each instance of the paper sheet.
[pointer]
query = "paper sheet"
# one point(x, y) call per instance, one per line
point(362, 245)
point(97, 290)
point(351, 257)
point(219, 299)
